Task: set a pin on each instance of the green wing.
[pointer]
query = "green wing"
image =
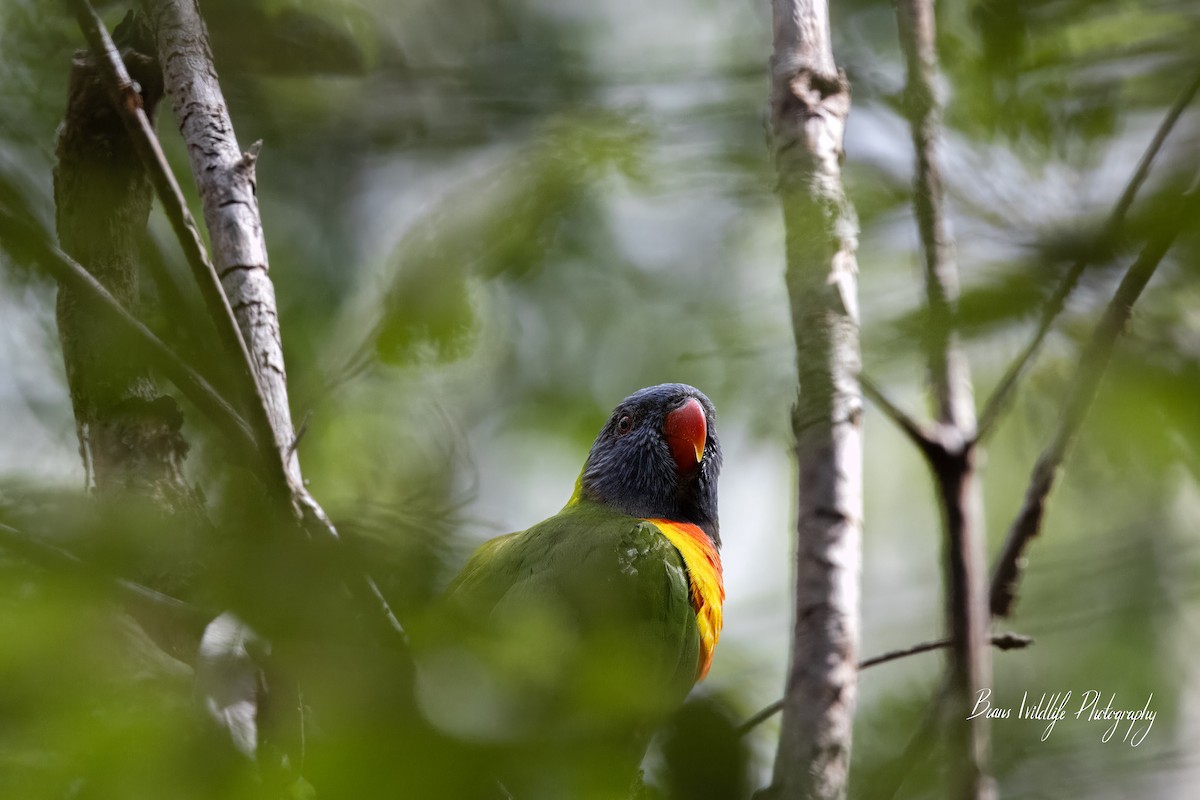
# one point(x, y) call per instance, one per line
point(606, 594)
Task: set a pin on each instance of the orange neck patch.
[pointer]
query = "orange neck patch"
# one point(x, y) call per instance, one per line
point(707, 584)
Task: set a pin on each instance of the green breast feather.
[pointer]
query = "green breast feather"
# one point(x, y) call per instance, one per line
point(609, 593)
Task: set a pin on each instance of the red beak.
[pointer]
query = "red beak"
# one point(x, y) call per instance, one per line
point(686, 432)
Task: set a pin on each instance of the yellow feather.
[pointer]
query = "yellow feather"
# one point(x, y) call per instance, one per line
point(708, 588)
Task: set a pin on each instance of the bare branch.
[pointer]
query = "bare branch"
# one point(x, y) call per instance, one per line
point(127, 101)
point(1004, 390)
point(1001, 641)
point(151, 608)
point(1082, 391)
point(192, 384)
point(810, 101)
point(130, 436)
point(225, 177)
point(950, 384)
point(915, 431)
point(948, 375)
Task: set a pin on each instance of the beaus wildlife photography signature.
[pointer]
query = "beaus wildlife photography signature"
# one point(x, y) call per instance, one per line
point(1124, 723)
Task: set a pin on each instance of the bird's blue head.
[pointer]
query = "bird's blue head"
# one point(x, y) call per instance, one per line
point(658, 457)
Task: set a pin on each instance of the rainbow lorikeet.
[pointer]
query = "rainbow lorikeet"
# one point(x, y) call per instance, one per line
point(625, 581)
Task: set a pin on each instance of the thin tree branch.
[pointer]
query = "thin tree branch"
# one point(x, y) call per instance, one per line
point(1008, 562)
point(916, 432)
point(128, 102)
point(237, 235)
point(53, 557)
point(1001, 641)
point(225, 179)
point(131, 443)
point(949, 378)
point(1001, 395)
point(810, 100)
point(950, 384)
point(191, 383)
point(145, 604)
point(1082, 392)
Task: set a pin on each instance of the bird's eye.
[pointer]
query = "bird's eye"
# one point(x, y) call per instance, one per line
point(624, 424)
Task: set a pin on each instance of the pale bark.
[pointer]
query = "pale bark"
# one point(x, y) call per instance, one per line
point(226, 182)
point(238, 289)
point(225, 179)
point(950, 379)
point(129, 433)
point(954, 457)
point(810, 100)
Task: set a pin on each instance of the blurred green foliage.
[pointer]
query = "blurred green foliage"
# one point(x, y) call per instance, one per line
point(488, 221)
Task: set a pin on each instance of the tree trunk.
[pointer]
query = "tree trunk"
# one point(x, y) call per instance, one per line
point(953, 455)
point(810, 100)
point(130, 434)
